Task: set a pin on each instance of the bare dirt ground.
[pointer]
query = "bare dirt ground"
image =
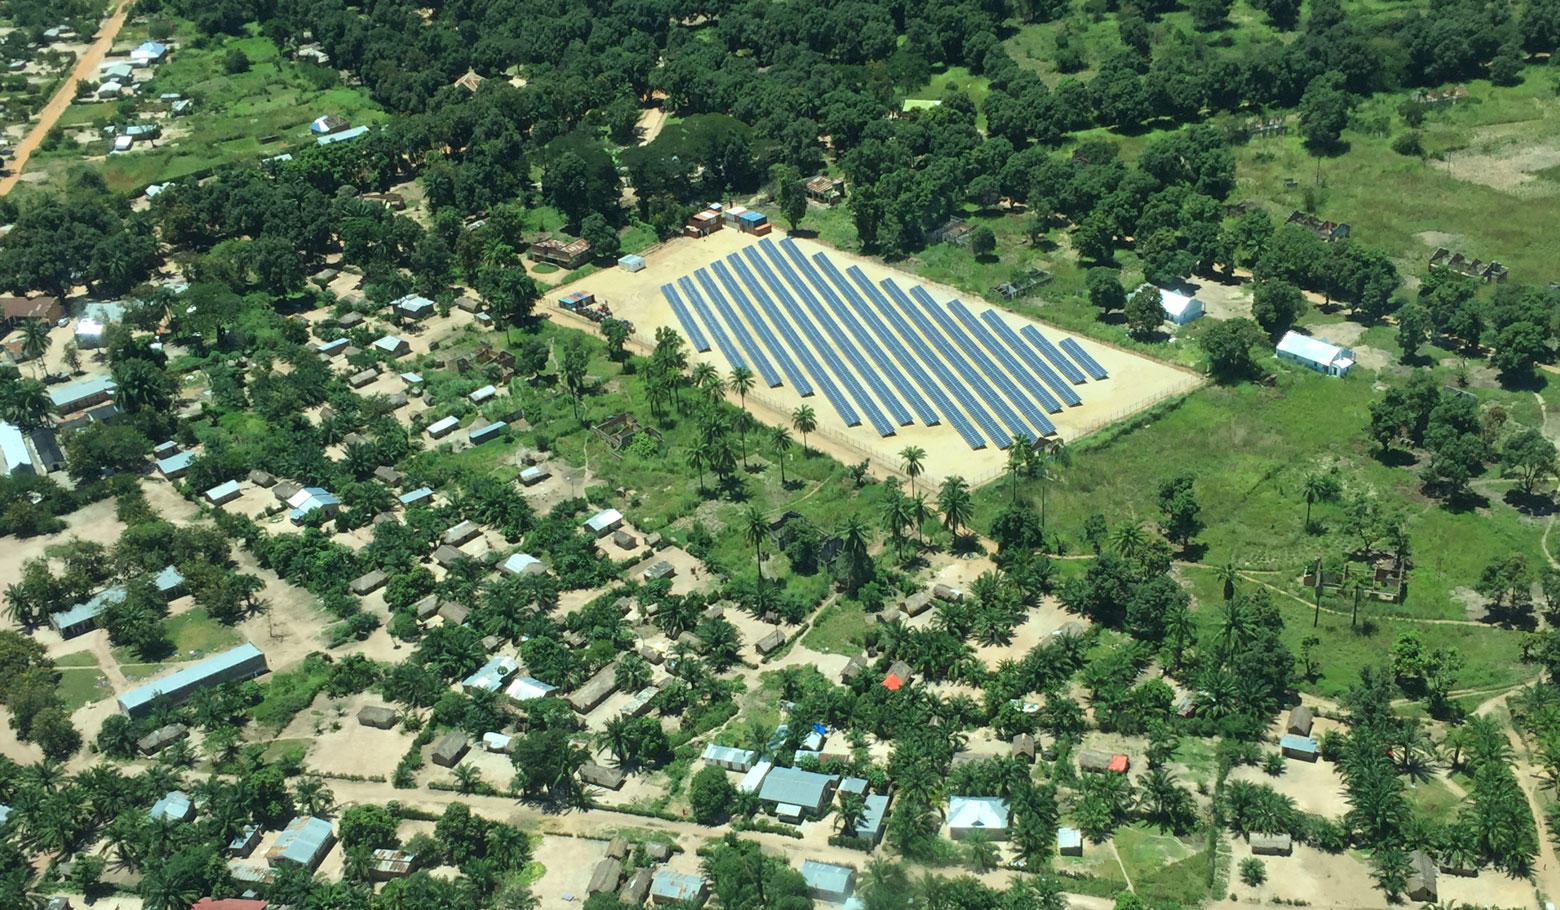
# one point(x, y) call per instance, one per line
point(1507, 157)
point(1134, 383)
point(1314, 786)
point(86, 68)
point(1309, 875)
point(690, 575)
point(95, 522)
point(1222, 301)
point(651, 120)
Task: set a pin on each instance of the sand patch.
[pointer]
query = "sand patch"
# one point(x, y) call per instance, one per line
point(1509, 163)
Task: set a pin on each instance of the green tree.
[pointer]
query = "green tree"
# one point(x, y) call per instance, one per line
point(983, 241)
point(780, 445)
point(510, 293)
point(1324, 111)
point(1319, 487)
point(710, 796)
point(616, 332)
point(1275, 304)
point(953, 501)
point(804, 421)
point(1105, 290)
point(1145, 312)
point(35, 341)
point(1178, 503)
point(790, 194)
point(913, 463)
point(1227, 344)
point(756, 529)
point(1414, 329)
point(1529, 456)
point(602, 237)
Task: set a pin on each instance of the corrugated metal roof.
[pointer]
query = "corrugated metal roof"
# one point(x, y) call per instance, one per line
point(343, 136)
point(191, 676)
point(828, 877)
point(303, 841)
point(675, 886)
point(603, 520)
point(1314, 350)
point(175, 806)
point(63, 395)
point(13, 448)
point(175, 463)
point(977, 812)
point(89, 609)
point(491, 675)
point(526, 687)
point(417, 495)
point(796, 787)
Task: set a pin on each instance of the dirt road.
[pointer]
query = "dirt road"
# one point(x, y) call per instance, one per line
point(86, 68)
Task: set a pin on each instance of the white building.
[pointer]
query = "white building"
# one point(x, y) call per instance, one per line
point(1315, 354)
point(977, 813)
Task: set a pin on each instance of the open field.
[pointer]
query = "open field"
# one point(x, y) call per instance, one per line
point(1134, 382)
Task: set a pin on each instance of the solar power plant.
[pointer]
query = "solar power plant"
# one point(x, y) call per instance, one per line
point(881, 354)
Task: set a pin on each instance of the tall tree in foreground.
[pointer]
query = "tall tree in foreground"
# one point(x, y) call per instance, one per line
point(953, 500)
point(804, 421)
point(780, 443)
point(913, 463)
point(756, 529)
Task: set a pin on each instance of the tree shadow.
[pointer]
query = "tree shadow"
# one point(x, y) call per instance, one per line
point(1397, 458)
point(966, 544)
point(805, 233)
point(1194, 551)
point(1538, 505)
point(1510, 616)
point(1464, 501)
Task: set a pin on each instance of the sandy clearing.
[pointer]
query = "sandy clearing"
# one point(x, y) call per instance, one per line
point(1222, 301)
point(1507, 157)
point(94, 522)
point(1314, 786)
point(86, 68)
point(1135, 382)
point(1309, 876)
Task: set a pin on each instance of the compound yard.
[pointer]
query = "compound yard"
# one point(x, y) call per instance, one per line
point(885, 361)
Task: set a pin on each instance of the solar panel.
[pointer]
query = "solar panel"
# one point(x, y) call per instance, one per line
point(690, 327)
point(722, 342)
point(766, 370)
point(925, 382)
point(825, 380)
point(1077, 353)
point(885, 367)
point(1025, 378)
point(967, 380)
point(1027, 354)
point(794, 376)
point(858, 307)
point(1062, 364)
point(830, 354)
point(991, 372)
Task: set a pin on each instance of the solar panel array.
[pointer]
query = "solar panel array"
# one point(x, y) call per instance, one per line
point(877, 353)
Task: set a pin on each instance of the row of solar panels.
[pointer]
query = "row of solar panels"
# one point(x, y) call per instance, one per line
point(823, 304)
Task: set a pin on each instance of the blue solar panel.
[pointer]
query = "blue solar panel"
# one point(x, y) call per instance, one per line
point(830, 354)
point(967, 380)
point(1016, 370)
point(1077, 353)
point(885, 367)
point(825, 381)
point(911, 365)
point(690, 327)
point(991, 372)
point(766, 370)
point(1027, 354)
point(733, 357)
point(1063, 365)
point(798, 381)
point(856, 307)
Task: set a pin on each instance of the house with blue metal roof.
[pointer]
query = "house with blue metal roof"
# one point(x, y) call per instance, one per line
point(304, 841)
point(421, 494)
point(312, 499)
point(83, 617)
point(174, 807)
point(175, 465)
point(491, 676)
point(871, 827)
point(1301, 747)
point(797, 794)
point(343, 136)
point(13, 448)
point(76, 396)
point(169, 582)
point(240, 663)
point(668, 887)
point(828, 882)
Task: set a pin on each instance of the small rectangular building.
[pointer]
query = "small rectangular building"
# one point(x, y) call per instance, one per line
point(161, 738)
point(1271, 845)
point(1421, 879)
point(492, 431)
point(807, 791)
point(567, 254)
point(412, 306)
point(243, 843)
point(659, 569)
point(1315, 354)
point(461, 533)
point(828, 882)
point(668, 887)
point(447, 555)
point(522, 564)
point(304, 841)
point(450, 749)
point(631, 263)
point(607, 875)
point(988, 814)
point(368, 583)
point(491, 676)
point(419, 496)
point(389, 864)
point(604, 522)
point(310, 500)
point(329, 349)
point(223, 493)
point(732, 759)
point(236, 664)
point(174, 466)
point(1179, 308)
point(525, 688)
point(175, 806)
point(636, 889)
point(380, 717)
point(453, 613)
point(1297, 747)
point(78, 396)
point(393, 345)
point(1300, 721)
point(598, 776)
point(533, 475)
point(1069, 841)
point(442, 428)
point(483, 394)
point(595, 691)
point(770, 643)
point(83, 617)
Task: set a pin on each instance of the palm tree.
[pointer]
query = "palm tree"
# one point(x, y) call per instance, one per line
point(744, 423)
point(707, 380)
point(953, 500)
point(852, 812)
point(896, 518)
point(756, 528)
point(741, 382)
point(1354, 585)
point(701, 455)
point(920, 510)
point(614, 735)
point(1317, 488)
point(1128, 539)
point(780, 442)
point(1058, 454)
point(313, 796)
point(1234, 628)
point(914, 464)
point(468, 779)
point(26, 403)
point(1017, 461)
point(980, 852)
point(35, 340)
point(804, 421)
point(1228, 575)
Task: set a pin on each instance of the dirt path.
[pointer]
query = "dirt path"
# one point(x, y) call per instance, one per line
point(1310, 605)
point(86, 68)
point(1546, 870)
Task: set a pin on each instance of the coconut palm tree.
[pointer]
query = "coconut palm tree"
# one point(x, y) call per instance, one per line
point(920, 511)
point(1056, 454)
point(741, 382)
point(780, 443)
point(1317, 488)
point(26, 403)
point(313, 796)
point(804, 421)
point(468, 779)
point(756, 528)
point(700, 456)
point(707, 380)
point(897, 517)
point(1018, 461)
point(1128, 539)
point(953, 500)
point(35, 340)
point(1228, 575)
point(914, 464)
point(1354, 585)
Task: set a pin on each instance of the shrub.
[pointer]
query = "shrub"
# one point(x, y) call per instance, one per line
point(1252, 871)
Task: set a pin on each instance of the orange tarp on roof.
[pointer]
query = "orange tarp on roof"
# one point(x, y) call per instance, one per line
point(1118, 763)
point(892, 682)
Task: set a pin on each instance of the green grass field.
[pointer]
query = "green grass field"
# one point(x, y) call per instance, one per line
point(79, 673)
point(194, 635)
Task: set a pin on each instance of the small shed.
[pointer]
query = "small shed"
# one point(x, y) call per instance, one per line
point(1093, 760)
point(379, 717)
point(771, 642)
point(461, 534)
point(607, 875)
point(533, 475)
point(1298, 747)
point(948, 593)
point(631, 263)
point(393, 345)
point(898, 676)
point(595, 690)
point(522, 564)
point(624, 540)
point(223, 492)
point(388, 475)
point(660, 569)
point(1271, 844)
point(450, 749)
point(1421, 878)
point(453, 613)
point(484, 394)
point(427, 607)
point(368, 583)
point(853, 668)
point(918, 603)
point(419, 496)
point(604, 522)
point(161, 738)
point(262, 479)
point(363, 378)
point(636, 889)
point(1023, 748)
point(1069, 841)
point(828, 882)
point(175, 806)
point(1300, 721)
point(598, 776)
